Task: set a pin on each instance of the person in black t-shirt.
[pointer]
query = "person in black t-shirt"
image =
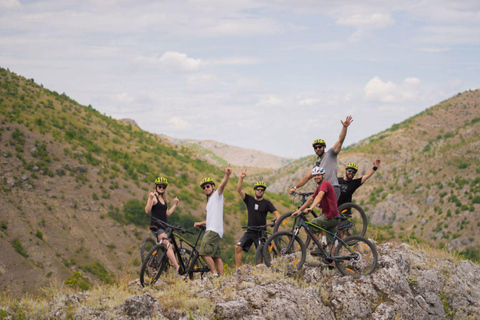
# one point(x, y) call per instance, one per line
point(348, 185)
point(257, 208)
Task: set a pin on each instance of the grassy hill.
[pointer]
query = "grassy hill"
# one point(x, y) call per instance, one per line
point(73, 189)
point(74, 182)
point(428, 187)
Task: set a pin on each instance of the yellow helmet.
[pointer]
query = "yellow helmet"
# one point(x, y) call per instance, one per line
point(351, 166)
point(319, 141)
point(161, 181)
point(205, 181)
point(259, 184)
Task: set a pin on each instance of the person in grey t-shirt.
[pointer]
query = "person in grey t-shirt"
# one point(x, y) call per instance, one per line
point(327, 160)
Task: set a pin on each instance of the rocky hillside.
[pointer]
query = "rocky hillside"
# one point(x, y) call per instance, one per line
point(428, 187)
point(73, 187)
point(409, 283)
point(220, 154)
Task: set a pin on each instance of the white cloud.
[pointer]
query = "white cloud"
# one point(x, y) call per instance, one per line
point(9, 4)
point(377, 90)
point(232, 61)
point(365, 23)
point(269, 101)
point(435, 49)
point(171, 60)
point(308, 102)
point(124, 98)
point(178, 123)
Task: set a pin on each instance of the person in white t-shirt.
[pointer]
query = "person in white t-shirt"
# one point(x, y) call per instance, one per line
point(210, 246)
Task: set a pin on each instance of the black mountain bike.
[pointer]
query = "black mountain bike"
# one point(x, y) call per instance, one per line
point(356, 219)
point(286, 252)
point(263, 234)
point(156, 262)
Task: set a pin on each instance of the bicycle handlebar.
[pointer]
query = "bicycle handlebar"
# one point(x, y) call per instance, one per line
point(170, 226)
point(302, 194)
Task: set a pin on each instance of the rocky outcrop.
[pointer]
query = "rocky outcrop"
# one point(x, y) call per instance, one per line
point(407, 284)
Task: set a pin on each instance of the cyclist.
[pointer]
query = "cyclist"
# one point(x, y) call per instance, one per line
point(210, 246)
point(257, 209)
point(348, 185)
point(325, 196)
point(327, 160)
point(157, 205)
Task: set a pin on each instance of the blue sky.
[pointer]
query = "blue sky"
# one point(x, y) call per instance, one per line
point(265, 75)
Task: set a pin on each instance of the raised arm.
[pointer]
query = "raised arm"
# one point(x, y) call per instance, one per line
point(150, 202)
point(337, 147)
point(222, 184)
point(240, 191)
point(172, 208)
point(301, 183)
point(371, 171)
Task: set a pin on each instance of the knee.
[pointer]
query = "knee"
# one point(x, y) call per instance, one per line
point(238, 249)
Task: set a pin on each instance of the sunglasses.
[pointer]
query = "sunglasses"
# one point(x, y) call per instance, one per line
point(206, 187)
point(318, 147)
point(260, 189)
point(351, 170)
point(161, 187)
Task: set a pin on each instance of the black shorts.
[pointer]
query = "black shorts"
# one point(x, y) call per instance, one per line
point(247, 239)
point(156, 231)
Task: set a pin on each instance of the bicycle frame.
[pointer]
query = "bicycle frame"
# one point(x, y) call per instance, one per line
point(171, 236)
point(329, 255)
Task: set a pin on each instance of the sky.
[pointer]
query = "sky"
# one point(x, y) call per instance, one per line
point(266, 75)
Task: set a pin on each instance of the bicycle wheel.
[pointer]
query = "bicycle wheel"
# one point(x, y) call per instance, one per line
point(358, 256)
point(185, 255)
point(147, 245)
point(282, 255)
point(285, 223)
point(357, 219)
point(197, 265)
point(259, 254)
point(156, 263)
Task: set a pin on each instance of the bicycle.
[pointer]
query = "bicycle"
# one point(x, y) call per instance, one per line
point(286, 252)
point(147, 244)
point(262, 237)
point(357, 219)
point(189, 260)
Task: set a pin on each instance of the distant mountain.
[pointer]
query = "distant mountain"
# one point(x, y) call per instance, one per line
point(428, 187)
point(220, 154)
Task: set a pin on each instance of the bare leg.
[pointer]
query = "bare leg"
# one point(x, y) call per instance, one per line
point(238, 256)
point(170, 253)
point(219, 265)
point(210, 264)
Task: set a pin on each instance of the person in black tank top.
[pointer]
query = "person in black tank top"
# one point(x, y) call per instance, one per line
point(158, 206)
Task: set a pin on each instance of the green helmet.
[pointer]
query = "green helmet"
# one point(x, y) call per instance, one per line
point(259, 184)
point(161, 181)
point(351, 166)
point(205, 181)
point(319, 141)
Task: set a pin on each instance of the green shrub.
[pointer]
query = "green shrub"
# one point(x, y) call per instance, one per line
point(134, 212)
point(97, 269)
point(77, 281)
point(17, 245)
point(39, 234)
